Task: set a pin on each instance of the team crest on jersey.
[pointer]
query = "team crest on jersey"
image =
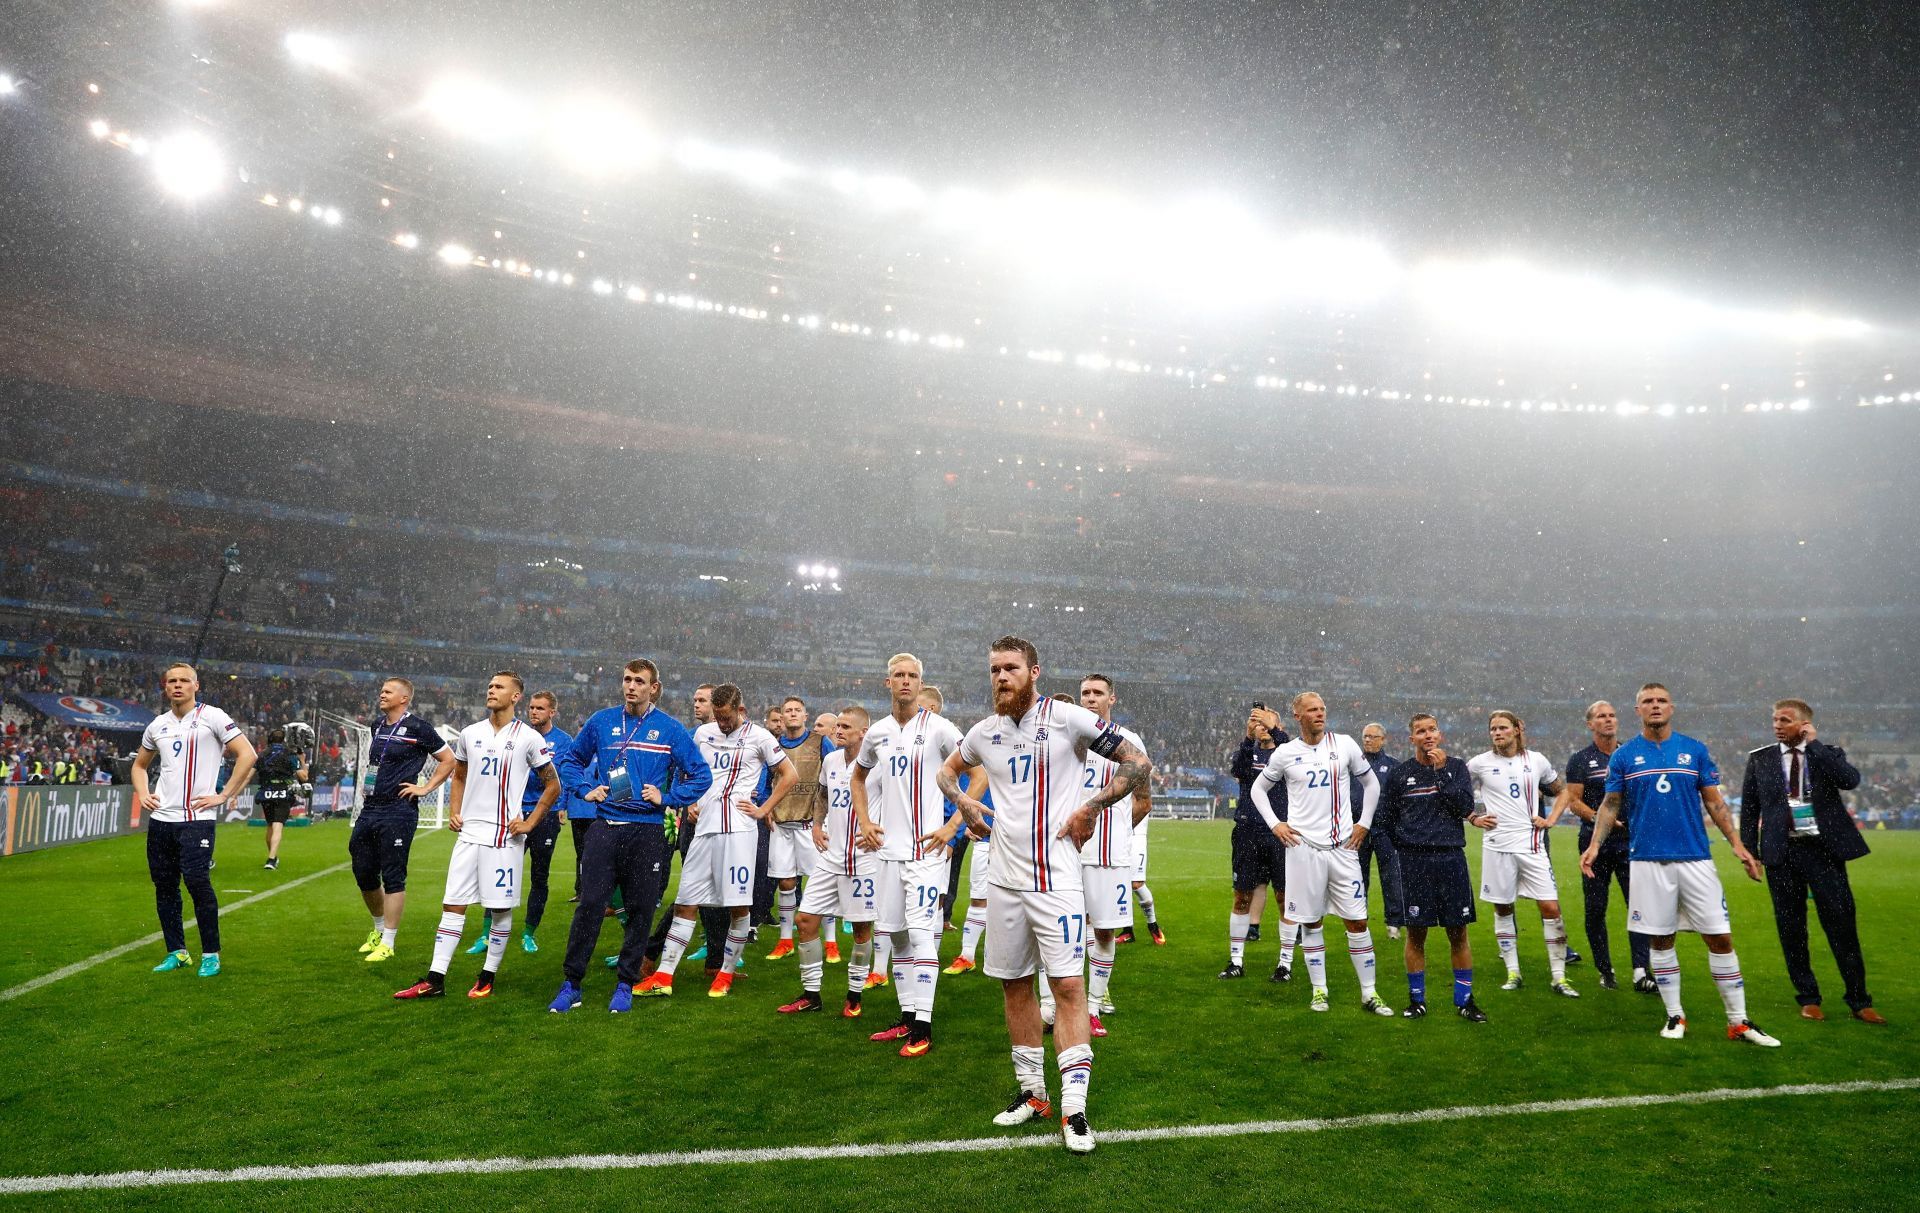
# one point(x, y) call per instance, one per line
point(919, 739)
point(996, 739)
point(1686, 760)
point(1039, 735)
point(653, 734)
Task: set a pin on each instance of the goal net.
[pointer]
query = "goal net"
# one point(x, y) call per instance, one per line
point(343, 771)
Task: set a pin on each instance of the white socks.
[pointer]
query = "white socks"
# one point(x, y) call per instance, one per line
point(1076, 1071)
point(1556, 932)
point(1099, 972)
point(1360, 951)
point(903, 972)
point(1030, 1069)
point(1236, 938)
point(1665, 967)
point(1144, 895)
point(679, 935)
point(736, 944)
point(974, 927)
point(1733, 990)
point(813, 959)
point(925, 969)
point(447, 939)
point(497, 938)
point(1313, 941)
point(1507, 933)
point(787, 899)
point(1289, 936)
point(859, 965)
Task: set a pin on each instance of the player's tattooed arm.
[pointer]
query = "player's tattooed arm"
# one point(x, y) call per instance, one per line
point(1603, 819)
point(1132, 771)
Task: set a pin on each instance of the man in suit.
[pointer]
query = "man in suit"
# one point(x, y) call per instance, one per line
point(1792, 817)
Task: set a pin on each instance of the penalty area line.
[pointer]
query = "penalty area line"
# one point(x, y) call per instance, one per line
point(81, 966)
point(23, 1184)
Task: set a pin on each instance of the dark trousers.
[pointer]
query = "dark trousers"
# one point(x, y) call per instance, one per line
point(765, 887)
point(633, 857)
point(183, 851)
point(715, 921)
point(1611, 864)
point(541, 841)
point(1809, 867)
point(579, 826)
point(1377, 846)
point(956, 864)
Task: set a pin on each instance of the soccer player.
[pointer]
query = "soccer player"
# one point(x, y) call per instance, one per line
point(280, 770)
point(1509, 780)
point(906, 747)
point(790, 851)
point(720, 862)
point(713, 919)
point(1034, 752)
point(1141, 893)
point(1106, 859)
point(635, 762)
point(1322, 838)
point(1662, 780)
point(842, 883)
point(1424, 802)
point(1373, 742)
point(382, 835)
point(1256, 858)
point(1586, 787)
point(187, 740)
point(544, 834)
point(492, 760)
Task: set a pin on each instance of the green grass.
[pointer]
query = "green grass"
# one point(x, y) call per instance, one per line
point(298, 1055)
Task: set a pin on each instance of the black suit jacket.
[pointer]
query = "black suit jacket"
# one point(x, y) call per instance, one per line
point(1765, 821)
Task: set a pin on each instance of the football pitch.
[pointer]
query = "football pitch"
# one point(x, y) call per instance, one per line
point(297, 1057)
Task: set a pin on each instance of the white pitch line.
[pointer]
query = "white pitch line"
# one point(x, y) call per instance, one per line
point(81, 966)
point(18, 1185)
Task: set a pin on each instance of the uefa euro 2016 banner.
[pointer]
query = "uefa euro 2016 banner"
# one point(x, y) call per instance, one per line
point(111, 715)
point(34, 818)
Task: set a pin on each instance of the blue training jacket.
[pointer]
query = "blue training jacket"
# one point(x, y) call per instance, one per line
point(655, 749)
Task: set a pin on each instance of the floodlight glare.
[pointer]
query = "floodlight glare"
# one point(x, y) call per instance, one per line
point(600, 139)
point(474, 109)
point(188, 165)
point(8, 85)
point(407, 240)
point(456, 254)
point(317, 50)
point(99, 129)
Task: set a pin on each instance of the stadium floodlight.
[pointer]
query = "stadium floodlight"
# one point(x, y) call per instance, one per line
point(456, 254)
point(99, 128)
point(599, 138)
point(407, 240)
point(754, 168)
point(892, 194)
point(833, 572)
point(317, 50)
point(188, 165)
point(474, 109)
point(8, 85)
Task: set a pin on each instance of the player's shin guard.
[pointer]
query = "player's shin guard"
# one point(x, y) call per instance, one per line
point(1556, 933)
point(970, 932)
point(1665, 968)
point(1289, 936)
point(1313, 942)
point(859, 964)
point(787, 899)
point(1462, 987)
point(447, 938)
point(1099, 972)
point(1076, 1071)
point(925, 970)
point(813, 959)
point(1030, 1069)
point(1506, 932)
point(903, 984)
point(497, 936)
point(1236, 938)
point(1144, 895)
point(1727, 980)
point(736, 944)
point(679, 935)
point(1360, 952)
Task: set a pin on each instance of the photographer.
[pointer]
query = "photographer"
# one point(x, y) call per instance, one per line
point(282, 771)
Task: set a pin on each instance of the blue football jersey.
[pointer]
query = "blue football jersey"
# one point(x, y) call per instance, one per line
point(1660, 784)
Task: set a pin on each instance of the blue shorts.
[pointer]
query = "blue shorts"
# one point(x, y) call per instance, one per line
point(379, 846)
point(1258, 858)
point(1438, 887)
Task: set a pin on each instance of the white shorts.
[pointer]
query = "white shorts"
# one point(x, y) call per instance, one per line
point(831, 895)
point(790, 852)
point(1321, 881)
point(485, 876)
point(978, 852)
point(1668, 898)
point(1507, 876)
point(1109, 896)
point(909, 892)
point(1140, 851)
point(1026, 931)
point(718, 870)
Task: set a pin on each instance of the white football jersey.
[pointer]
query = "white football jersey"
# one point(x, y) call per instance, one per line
point(1319, 799)
point(908, 757)
point(1112, 843)
point(1510, 788)
point(498, 766)
point(843, 833)
point(1034, 769)
point(737, 758)
point(189, 749)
